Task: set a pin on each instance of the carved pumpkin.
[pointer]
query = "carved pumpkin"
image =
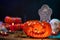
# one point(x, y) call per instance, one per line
point(10, 20)
point(36, 29)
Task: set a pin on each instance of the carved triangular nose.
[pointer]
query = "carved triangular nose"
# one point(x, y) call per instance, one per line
point(45, 13)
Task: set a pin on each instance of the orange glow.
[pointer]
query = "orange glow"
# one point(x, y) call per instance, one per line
point(37, 29)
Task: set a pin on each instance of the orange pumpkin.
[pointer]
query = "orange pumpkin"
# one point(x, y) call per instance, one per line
point(10, 20)
point(36, 29)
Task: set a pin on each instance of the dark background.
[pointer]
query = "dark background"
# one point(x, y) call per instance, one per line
point(27, 9)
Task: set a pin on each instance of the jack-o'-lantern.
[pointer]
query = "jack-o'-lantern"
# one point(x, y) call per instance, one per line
point(10, 20)
point(36, 29)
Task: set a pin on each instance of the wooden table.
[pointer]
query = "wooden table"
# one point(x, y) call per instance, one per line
point(20, 36)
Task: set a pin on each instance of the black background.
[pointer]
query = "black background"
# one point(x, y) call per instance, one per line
point(27, 9)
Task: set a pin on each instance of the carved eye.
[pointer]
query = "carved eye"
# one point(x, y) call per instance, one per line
point(35, 29)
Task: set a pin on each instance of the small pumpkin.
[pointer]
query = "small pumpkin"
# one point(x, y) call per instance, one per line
point(36, 29)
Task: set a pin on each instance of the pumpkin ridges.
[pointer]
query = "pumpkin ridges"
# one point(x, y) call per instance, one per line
point(8, 19)
point(38, 25)
point(11, 20)
point(48, 27)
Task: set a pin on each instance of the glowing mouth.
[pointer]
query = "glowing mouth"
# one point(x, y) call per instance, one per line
point(38, 33)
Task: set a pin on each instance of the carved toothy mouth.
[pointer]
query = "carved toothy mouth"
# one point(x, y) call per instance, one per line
point(38, 33)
